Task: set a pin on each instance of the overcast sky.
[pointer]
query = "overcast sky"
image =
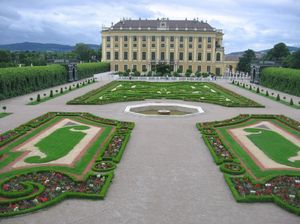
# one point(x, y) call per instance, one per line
point(254, 24)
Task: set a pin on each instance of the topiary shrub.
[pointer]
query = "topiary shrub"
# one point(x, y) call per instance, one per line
point(267, 93)
point(291, 101)
point(250, 88)
point(38, 98)
point(51, 93)
point(61, 90)
point(257, 90)
point(278, 97)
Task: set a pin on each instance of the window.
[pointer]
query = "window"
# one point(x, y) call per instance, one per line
point(209, 39)
point(116, 45)
point(208, 69)
point(144, 56)
point(134, 38)
point(153, 56)
point(190, 46)
point(199, 45)
point(125, 55)
point(190, 56)
point(190, 67)
point(134, 45)
point(208, 46)
point(133, 67)
point(180, 68)
point(144, 68)
point(108, 55)
point(171, 56)
point(181, 56)
point(181, 39)
point(134, 55)
point(144, 38)
point(125, 38)
point(162, 45)
point(152, 45)
point(116, 38)
point(199, 68)
point(108, 45)
point(199, 39)
point(108, 39)
point(162, 56)
point(143, 45)
point(125, 45)
point(162, 38)
point(181, 45)
point(116, 67)
point(153, 38)
point(218, 71)
point(116, 55)
point(190, 39)
point(125, 67)
point(171, 45)
point(199, 57)
point(172, 38)
point(218, 57)
point(208, 58)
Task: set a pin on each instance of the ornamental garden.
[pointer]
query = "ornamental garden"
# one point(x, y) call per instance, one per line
point(259, 156)
point(119, 91)
point(59, 155)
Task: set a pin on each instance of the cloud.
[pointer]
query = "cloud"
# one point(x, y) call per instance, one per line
point(255, 24)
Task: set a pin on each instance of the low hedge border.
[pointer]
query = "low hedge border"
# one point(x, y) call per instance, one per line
point(207, 130)
point(121, 128)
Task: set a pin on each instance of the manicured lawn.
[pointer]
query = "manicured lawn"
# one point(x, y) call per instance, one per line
point(120, 91)
point(37, 184)
point(275, 146)
point(247, 180)
point(58, 144)
point(3, 114)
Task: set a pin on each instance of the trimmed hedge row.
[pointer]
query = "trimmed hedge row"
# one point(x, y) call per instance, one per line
point(86, 70)
point(20, 81)
point(283, 79)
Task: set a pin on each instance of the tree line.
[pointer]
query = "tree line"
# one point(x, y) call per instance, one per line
point(81, 52)
point(280, 54)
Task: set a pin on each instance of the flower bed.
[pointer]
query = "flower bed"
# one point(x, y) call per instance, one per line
point(281, 186)
point(29, 189)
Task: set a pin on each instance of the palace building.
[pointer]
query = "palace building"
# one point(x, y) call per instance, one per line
point(183, 44)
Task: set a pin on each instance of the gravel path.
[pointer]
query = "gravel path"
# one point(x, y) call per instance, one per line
point(166, 175)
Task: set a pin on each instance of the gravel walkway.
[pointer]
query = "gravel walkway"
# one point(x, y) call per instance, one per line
point(166, 175)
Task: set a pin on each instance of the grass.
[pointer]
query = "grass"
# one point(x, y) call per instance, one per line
point(120, 91)
point(270, 96)
point(237, 150)
point(4, 114)
point(65, 91)
point(58, 144)
point(275, 146)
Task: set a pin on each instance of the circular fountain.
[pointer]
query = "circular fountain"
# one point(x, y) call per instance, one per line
point(163, 109)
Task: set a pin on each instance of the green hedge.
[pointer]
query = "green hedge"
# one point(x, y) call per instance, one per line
point(86, 70)
point(19, 81)
point(283, 79)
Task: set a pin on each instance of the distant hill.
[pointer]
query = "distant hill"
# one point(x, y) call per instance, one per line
point(49, 47)
point(259, 54)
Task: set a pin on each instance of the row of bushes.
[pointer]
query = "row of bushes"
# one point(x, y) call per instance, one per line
point(86, 70)
point(282, 79)
point(23, 80)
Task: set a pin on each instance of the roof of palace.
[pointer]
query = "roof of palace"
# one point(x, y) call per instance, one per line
point(162, 24)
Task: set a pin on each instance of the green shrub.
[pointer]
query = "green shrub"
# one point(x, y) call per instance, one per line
point(267, 93)
point(257, 90)
point(283, 79)
point(23, 80)
point(61, 90)
point(291, 102)
point(278, 97)
point(38, 98)
point(250, 88)
point(86, 70)
point(51, 93)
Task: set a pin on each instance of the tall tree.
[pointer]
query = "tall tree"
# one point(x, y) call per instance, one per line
point(278, 53)
point(245, 61)
point(83, 52)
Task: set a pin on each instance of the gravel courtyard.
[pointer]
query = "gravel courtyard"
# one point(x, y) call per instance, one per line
point(167, 174)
